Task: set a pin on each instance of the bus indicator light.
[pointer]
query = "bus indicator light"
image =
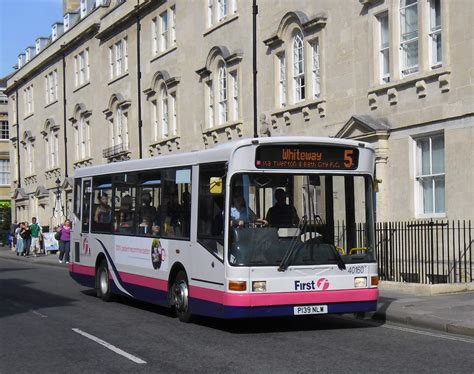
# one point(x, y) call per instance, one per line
point(237, 285)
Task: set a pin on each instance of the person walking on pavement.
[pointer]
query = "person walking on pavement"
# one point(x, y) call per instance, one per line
point(20, 247)
point(25, 233)
point(64, 241)
point(36, 233)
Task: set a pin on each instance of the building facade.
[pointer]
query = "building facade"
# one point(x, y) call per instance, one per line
point(4, 147)
point(121, 80)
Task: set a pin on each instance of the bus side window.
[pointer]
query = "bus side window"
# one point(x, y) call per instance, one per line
point(211, 208)
point(102, 214)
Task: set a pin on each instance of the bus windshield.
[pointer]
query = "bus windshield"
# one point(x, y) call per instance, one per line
point(280, 219)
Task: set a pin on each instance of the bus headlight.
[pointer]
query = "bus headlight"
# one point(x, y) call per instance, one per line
point(237, 285)
point(259, 286)
point(360, 282)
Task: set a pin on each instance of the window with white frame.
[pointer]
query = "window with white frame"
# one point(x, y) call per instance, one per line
point(29, 159)
point(120, 128)
point(164, 31)
point(298, 68)
point(281, 79)
point(82, 139)
point(316, 69)
point(28, 100)
point(118, 58)
point(430, 175)
point(235, 95)
point(210, 105)
point(164, 111)
point(81, 67)
point(4, 172)
point(51, 87)
point(409, 36)
point(4, 131)
point(173, 26)
point(173, 114)
point(219, 10)
point(384, 48)
point(52, 147)
point(436, 57)
point(223, 110)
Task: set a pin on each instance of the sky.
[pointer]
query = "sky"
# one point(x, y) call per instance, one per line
point(21, 22)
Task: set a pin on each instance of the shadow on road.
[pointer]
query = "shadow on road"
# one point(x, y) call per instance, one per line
point(18, 297)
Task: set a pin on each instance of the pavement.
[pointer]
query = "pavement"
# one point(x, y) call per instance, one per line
point(402, 303)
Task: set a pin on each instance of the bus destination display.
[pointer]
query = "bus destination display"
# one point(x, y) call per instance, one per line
point(306, 157)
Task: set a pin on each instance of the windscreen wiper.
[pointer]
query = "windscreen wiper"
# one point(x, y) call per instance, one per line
point(285, 262)
point(339, 260)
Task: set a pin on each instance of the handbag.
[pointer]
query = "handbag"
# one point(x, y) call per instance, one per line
point(57, 235)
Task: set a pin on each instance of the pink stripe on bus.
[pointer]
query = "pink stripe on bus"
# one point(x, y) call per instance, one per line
point(81, 269)
point(140, 280)
point(284, 298)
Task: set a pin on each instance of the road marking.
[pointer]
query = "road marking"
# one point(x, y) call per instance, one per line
point(407, 329)
point(39, 314)
point(110, 346)
point(432, 334)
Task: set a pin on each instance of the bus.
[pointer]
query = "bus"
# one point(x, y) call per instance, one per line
point(257, 227)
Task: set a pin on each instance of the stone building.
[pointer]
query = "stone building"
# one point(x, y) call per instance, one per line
point(119, 80)
point(4, 147)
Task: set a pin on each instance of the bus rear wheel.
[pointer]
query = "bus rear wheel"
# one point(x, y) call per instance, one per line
point(180, 297)
point(102, 282)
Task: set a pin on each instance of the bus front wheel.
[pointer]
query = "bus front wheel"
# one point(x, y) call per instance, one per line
point(102, 282)
point(180, 297)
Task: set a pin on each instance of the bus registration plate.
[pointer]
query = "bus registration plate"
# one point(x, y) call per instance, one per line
point(310, 309)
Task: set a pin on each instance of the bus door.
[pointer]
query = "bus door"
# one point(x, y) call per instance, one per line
point(208, 257)
point(82, 225)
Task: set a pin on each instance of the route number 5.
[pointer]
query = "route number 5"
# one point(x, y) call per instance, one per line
point(348, 162)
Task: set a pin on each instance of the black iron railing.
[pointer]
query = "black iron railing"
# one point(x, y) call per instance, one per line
point(425, 251)
point(114, 150)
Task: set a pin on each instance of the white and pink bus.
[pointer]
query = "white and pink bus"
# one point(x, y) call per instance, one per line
point(258, 227)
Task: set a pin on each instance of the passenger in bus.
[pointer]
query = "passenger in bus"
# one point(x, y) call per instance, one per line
point(240, 214)
point(147, 211)
point(282, 214)
point(126, 214)
point(103, 213)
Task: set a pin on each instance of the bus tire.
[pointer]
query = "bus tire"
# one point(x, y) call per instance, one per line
point(102, 282)
point(180, 297)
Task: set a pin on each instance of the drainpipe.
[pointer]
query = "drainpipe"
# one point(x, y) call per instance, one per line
point(139, 84)
point(64, 116)
point(254, 41)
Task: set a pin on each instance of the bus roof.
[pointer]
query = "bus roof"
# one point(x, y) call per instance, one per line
point(222, 152)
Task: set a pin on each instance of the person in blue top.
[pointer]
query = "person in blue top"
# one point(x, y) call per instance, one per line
point(240, 213)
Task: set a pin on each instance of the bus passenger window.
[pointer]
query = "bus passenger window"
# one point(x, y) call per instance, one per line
point(174, 213)
point(102, 213)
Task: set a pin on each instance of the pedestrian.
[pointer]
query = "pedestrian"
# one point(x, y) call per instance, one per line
point(19, 240)
point(64, 241)
point(13, 228)
point(25, 234)
point(36, 233)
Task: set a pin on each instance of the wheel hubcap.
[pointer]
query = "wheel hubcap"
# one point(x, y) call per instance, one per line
point(104, 281)
point(180, 293)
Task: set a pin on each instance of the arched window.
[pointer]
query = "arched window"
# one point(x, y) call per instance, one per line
point(52, 145)
point(298, 67)
point(81, 130)
point(120, 128)
point(222, 95)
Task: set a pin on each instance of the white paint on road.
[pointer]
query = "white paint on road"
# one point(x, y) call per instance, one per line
point(39, 314)
point(110, 346)
point(410, 330)
point(432, 334)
